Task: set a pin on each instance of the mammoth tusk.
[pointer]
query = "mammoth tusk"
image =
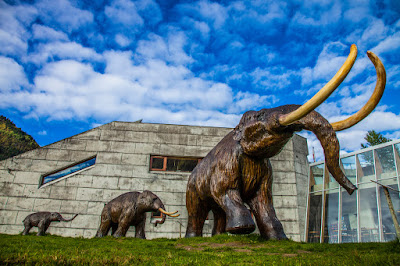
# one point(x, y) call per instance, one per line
point(169, 213)
point(372, 102)
point(322, 94)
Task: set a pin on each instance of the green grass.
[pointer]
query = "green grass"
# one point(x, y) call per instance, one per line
point(219, 250)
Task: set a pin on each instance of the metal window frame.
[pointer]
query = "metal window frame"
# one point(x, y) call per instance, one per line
point(166, 157)
point(378, 201)
point(42, 177)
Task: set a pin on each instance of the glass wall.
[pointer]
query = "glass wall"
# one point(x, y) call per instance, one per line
point(334, 216)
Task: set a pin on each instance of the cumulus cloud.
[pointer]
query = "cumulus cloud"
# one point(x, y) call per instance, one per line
point(12, 77)
point(63, 15)
point(44, 33)
point(62, 50)
point(13, 31)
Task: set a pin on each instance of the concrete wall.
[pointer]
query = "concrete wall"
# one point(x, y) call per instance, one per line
point(123, 157)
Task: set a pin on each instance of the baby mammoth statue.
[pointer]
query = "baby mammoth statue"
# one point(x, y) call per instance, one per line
point(130, 209)
point(42, 220)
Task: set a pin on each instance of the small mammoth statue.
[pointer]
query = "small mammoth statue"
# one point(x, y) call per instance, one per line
point(42, 220)
point(237, 171)
point(130, 209)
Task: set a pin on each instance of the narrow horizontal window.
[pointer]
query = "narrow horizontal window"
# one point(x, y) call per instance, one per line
point(76, 167)
point(173, 164)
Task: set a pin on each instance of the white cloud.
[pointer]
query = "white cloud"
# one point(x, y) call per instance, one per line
point(213, 12)
point(357, 13)
point(63, 14)
point(42, 133)
point(63, 50)
point(389, 44)
point(325, 13)
point(45, 33)
point(122, 40)
point(12, 77)
point(13, 32)
point(124, 12)
point(274, 78)
point(170, 49)
point(244, 101)
point(375, 32)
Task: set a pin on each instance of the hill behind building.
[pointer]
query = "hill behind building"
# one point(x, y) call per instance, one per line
point(13, 140)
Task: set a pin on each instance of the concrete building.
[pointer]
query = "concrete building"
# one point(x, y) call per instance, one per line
point(82, 173)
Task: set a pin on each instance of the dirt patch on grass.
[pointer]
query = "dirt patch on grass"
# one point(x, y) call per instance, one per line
point(236, 246)
point(289, 255)
point(303, 251)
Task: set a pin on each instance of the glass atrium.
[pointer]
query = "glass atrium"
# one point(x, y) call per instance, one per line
point(333, 216)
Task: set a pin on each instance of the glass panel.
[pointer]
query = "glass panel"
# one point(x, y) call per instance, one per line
point(389, 232)
point(368, 213)
point(181, 165)
point(317, 177)
point(156, 214)
point(366, 171)
point(397, 147)
point(69, 170)
point(349, 166)
point(157, 163)
point(349, 217)
point(331, 216)
point(314, 217)
point(332, 183)
point(385, 167)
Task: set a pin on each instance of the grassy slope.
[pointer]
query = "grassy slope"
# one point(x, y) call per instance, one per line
point(219, 250)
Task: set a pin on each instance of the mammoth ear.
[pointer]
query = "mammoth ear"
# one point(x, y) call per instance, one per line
point(252, 135)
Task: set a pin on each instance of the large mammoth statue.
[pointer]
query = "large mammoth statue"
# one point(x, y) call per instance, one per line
point(238, 171)
point(130, 209)
point(42, 220)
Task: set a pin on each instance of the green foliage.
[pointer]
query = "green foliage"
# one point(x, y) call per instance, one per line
point(219, 250)
point(13, 140)
point(374, 138)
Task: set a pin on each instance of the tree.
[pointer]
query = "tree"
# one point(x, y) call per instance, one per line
point(374, 138)
point(385, 155)
point(13, 140)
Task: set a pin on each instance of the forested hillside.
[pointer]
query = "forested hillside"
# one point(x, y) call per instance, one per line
point(13, 140)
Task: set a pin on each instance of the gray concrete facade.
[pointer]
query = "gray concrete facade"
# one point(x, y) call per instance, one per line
point(123, 152)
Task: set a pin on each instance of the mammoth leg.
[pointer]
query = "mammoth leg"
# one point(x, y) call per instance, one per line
point(197, 211)
point(42, 227)
point(123, 226)
point(28, 227)
point(103, 228)
point(219, 222)
point(114, 227)
point(238, 217)
point(263, 209)
point(139, 230)
point(105, 223)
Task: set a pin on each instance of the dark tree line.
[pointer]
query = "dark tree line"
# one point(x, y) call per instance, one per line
point(13, 140)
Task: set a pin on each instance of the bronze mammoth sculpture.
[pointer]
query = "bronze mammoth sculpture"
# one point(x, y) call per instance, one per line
point(42, 220)
point(238, 171)
point(130, 209)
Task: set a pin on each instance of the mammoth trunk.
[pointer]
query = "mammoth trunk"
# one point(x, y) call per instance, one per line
point(327, 137)
point(163, 216)
point(68, 220)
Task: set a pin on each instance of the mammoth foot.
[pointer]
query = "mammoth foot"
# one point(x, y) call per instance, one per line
point(240, 224)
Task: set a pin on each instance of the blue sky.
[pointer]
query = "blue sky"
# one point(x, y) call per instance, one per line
point(69, 66)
